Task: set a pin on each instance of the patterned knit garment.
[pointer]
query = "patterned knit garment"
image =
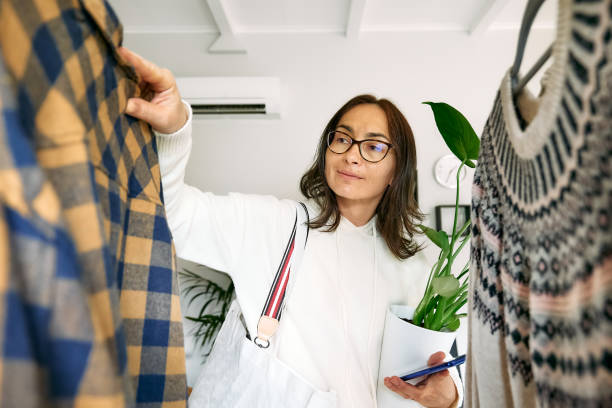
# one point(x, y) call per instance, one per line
point(540, 316)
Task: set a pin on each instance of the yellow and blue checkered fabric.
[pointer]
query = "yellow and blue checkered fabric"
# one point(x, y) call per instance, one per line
point(70, 88)
point(47, 332)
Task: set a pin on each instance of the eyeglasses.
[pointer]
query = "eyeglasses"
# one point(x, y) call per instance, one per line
point(371, 150)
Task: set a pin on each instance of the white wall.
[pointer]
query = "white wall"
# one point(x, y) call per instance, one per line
point(318, 73)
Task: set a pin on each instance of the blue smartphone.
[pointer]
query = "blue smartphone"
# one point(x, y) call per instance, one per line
point(434, 369)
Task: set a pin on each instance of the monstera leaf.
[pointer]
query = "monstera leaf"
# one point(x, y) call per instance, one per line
point(440, 238)
point(445, 285)
point(457, 132)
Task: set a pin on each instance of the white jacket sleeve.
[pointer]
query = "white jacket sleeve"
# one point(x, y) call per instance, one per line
point(218, 231)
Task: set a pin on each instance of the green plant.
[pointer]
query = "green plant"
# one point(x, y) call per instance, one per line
point(208, 324)
point(446, 293)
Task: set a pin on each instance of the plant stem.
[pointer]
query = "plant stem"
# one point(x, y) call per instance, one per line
point(455, 309)
point(420, 312)
point(436, 323)
point(463, 228)
point(460, 299)
point(465, 269)
point(450, 254)
point(465, 241)
point(456, 206)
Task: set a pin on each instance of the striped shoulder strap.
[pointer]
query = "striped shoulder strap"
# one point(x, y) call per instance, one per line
point(273, 308)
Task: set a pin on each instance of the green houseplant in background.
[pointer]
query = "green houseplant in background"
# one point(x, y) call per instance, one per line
point(213, 310)
point(446, 293)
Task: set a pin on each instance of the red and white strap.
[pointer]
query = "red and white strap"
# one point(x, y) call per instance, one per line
point(271, 313)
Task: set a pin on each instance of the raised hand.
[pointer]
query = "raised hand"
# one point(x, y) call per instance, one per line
point(162, 108)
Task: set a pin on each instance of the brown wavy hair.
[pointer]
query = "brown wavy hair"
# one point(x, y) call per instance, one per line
point(398, 211)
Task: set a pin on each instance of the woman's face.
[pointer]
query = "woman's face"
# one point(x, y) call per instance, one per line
point(351, 178)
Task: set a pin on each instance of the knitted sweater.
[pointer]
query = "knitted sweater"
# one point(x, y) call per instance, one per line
point(540, 305)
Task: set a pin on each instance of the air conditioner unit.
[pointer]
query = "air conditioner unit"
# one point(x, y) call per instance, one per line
point(231, 97)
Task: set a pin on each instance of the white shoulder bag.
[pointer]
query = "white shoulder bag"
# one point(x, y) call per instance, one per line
point(241, 372)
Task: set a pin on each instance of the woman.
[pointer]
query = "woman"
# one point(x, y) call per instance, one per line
point(360, 252)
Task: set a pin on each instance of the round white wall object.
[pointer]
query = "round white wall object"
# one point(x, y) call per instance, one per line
point(445, 171)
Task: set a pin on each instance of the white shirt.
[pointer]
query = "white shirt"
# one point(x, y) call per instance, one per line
point(331, 329)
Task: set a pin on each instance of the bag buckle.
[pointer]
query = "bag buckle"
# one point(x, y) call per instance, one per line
point(262, 343)
point(266, 328)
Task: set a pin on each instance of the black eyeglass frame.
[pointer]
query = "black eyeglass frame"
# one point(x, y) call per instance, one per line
point(358, 143)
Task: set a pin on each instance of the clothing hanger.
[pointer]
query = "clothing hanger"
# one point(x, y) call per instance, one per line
point(533, 6)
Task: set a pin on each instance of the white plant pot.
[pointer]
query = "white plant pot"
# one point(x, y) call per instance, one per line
point(405, 348)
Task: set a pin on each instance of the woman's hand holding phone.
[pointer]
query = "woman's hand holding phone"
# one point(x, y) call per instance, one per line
point(414, 375)
point(436, 391)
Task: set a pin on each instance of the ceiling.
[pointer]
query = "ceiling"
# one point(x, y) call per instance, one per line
point(235, 19)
